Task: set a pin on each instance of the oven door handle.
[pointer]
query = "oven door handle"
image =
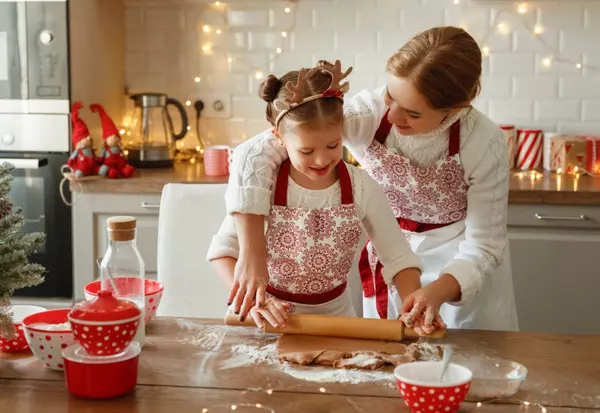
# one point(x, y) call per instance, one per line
point(26, 163)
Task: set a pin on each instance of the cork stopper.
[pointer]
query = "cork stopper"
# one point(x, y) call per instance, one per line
point(121, 228)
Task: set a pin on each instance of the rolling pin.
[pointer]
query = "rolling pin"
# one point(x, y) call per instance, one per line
point(345, 327)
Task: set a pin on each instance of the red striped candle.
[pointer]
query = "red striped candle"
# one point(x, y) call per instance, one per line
point(529, 149)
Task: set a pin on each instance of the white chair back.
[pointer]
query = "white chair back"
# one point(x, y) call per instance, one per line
point(190, 214)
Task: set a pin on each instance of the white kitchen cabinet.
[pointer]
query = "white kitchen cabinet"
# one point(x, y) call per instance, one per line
point(555, 255)
point(90, 239)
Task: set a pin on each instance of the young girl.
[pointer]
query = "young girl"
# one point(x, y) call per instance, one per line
point(443, 166)
point(319, 207)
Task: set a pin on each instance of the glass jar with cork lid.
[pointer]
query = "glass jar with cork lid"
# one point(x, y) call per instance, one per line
point(122, 269)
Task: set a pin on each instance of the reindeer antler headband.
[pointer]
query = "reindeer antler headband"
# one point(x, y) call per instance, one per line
point(335, 89)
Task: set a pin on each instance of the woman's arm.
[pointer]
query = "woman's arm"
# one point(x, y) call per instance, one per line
point(224, 268)
point(401, 266)
point(252, 171)
point(482, 250)
point(362, 116)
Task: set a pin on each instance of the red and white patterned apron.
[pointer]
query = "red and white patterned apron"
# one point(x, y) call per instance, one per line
point(311, 251)
point(422, 199)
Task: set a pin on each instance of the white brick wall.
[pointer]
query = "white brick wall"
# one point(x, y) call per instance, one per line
point(165, 38)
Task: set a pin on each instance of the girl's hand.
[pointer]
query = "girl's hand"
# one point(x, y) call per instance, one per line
point(274, 311)
point(250, 279)
point(251, 275)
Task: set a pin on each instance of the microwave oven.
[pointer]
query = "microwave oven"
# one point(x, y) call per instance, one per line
point(34, 64)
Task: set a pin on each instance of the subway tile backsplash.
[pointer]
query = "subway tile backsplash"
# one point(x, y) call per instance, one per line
point(165, 40)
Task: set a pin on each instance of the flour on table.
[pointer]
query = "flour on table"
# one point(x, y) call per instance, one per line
point(205, 336)
point(248, 354)
point(257, 353)
point(331, 375)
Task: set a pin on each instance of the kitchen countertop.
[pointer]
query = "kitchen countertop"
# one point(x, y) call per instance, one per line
point(525, 187)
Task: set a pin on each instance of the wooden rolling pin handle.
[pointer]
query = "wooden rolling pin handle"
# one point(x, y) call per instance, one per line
point(389, 330)
point(410, 333)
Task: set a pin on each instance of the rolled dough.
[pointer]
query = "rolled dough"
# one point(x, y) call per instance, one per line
point(351, 353)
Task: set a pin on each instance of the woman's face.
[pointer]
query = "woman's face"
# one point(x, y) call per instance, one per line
point(410, 111)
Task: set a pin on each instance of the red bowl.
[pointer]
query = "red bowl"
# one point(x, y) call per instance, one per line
point(47, 345)
point(152, 294)
point(93, 377)
point(105, 338)
point(18, 342)
point(421, 390)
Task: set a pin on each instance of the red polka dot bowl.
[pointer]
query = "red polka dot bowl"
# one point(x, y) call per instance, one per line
point(152, 294)
point(105, 325)
point(18, 342)
point(422, 392)
point(48, 333)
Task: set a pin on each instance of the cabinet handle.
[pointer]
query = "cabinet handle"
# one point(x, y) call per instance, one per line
point(149, 205)
point(553, 218)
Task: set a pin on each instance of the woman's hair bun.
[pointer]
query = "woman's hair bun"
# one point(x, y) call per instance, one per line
point(269, 88)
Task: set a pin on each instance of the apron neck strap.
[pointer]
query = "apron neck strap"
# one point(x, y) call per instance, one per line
point(454, 142)
point(345, 183)
point(281, 186)
point(384, 129)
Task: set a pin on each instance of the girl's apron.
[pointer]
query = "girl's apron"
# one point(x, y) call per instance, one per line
point(430, 205)
point(310, 251)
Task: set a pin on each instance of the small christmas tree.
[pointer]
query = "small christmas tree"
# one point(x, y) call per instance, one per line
point(15, 270)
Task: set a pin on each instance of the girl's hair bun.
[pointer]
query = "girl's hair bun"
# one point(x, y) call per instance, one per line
point(269, 88)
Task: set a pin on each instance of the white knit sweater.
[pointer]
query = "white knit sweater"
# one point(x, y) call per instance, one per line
point(483, 154)
point(376, 217)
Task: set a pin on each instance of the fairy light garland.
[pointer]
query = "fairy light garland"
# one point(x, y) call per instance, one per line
point(208, 49)
point(519, 10)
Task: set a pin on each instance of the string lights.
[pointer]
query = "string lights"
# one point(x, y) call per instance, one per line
point(208, 47)
point(524, 404)
point(520, 11)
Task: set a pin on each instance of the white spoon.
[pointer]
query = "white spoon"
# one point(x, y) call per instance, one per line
point(446, 360)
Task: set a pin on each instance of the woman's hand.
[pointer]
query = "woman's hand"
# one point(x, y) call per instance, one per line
point(274, 311)
point(420, 310)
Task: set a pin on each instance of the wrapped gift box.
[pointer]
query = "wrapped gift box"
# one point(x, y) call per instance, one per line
point(574, 153)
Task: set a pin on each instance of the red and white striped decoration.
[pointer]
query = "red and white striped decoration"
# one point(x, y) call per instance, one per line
point(216, 160)
point(511, 137)
point(529, 149)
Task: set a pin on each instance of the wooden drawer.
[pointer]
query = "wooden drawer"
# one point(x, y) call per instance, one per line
point(554, 216)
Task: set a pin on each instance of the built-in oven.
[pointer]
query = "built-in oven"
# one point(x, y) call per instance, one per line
point(35, 129)
point(34, 65)
point(35, 189)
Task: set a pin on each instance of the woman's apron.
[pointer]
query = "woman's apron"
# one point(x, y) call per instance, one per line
point(430, 205)
point(311, 251)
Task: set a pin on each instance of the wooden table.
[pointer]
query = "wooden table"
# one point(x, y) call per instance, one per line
point(183, 368)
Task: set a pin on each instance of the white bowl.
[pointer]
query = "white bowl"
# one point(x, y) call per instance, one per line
point(47, 345)
point(427, 373)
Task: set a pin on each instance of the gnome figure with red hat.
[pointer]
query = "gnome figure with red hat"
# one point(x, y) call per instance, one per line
point(83, 160)
point(114, 163)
